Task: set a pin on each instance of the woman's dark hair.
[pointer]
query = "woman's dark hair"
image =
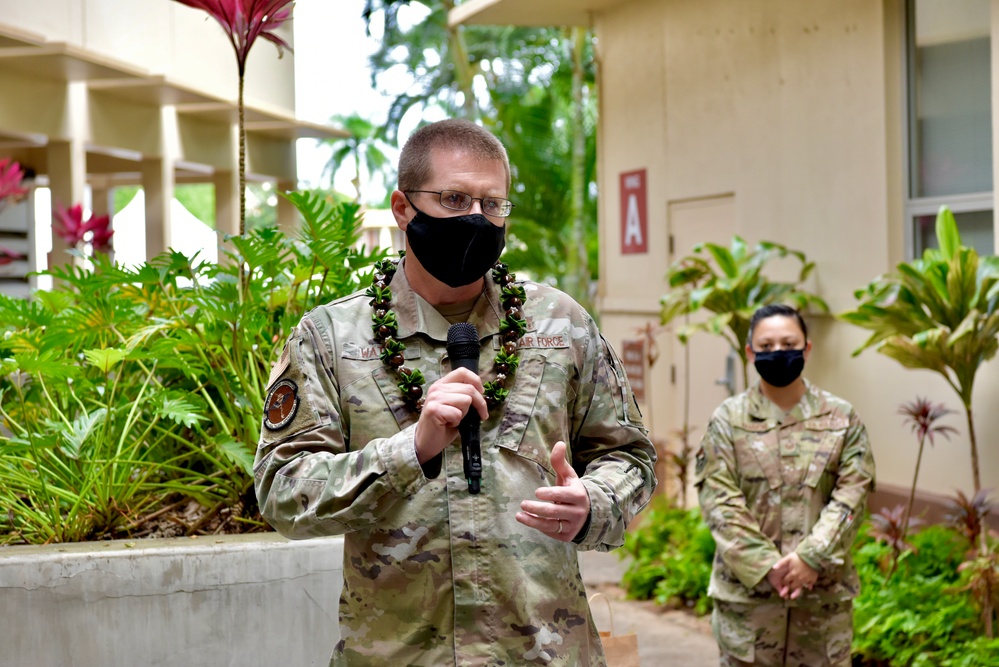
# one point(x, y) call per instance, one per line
point(772, 309)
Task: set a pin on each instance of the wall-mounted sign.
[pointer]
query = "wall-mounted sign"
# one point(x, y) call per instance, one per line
point(633, 358)
point(634, 220)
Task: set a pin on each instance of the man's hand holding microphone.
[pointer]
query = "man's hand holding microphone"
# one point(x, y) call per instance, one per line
point(456, 403)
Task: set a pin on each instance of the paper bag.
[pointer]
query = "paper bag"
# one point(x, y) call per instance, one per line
point(620, 650)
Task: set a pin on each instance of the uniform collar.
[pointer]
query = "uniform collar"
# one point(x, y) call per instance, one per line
point(414, 314)
point(811, 404)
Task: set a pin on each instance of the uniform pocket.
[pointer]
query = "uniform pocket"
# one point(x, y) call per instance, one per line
point(829, 445)
point(535, 415)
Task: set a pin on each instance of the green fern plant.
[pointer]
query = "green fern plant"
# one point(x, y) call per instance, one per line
point(127, 388)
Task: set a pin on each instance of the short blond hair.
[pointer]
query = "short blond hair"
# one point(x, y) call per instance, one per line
point(453, 133)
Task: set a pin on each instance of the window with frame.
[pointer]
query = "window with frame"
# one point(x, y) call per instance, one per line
point(948, 58)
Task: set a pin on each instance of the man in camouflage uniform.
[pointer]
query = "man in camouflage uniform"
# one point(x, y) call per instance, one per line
point(783, 474)
point(435, 575)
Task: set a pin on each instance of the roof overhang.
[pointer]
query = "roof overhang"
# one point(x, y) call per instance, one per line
point(536, 13)
point(31, 54)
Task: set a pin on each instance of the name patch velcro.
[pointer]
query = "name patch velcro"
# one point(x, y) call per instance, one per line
point(544, 341)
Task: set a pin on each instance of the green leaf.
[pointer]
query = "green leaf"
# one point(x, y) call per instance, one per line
point(45, 365)
point(948, 237)
point(672, 308)
point(105, 359)
point(79, 431)
point(685, 275)
point(738, 249)
point(236, 452)
point(723, 258)
point(967, 327)
point(180, 409)
point(911, 355)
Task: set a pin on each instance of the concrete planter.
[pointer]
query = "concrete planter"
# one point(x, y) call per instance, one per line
point(228, 600)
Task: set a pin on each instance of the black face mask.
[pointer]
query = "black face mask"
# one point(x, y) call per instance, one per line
point(456, 251)
point(780, 367)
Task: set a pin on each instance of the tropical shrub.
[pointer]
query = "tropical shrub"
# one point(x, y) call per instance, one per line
point(730, 283)
point(924, 614)
point(671, 555)
point(939, 313)
point(126, 391)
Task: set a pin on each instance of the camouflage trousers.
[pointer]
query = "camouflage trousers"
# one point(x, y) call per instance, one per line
point(776, 635)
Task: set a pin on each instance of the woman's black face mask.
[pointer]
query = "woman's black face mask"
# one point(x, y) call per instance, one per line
point(780, 368)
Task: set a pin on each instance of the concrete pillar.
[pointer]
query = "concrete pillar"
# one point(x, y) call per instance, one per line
point(67, 164)
point(226, 210)
point(287, 214)
point(158, 181)
point(227, 189)
point(67, 180)
point(158, 184)
point(226, 201)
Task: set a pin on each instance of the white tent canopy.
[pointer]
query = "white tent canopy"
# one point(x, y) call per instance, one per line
point(189, 234)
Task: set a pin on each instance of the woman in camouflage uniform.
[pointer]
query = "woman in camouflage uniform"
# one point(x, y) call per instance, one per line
point(783, 473)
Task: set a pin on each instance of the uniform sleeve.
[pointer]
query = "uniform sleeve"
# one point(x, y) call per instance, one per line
point(610, 447)
point(828, 543)
point(740, 542)
point(307, 481)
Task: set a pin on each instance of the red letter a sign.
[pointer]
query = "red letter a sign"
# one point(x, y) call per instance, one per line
point(634, 221)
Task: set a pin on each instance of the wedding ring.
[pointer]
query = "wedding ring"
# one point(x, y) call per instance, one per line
point(559, 526)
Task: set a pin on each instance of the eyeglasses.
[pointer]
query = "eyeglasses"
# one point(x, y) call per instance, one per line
point(459, 201)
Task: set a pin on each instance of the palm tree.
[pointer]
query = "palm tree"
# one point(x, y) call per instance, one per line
point(361, 149)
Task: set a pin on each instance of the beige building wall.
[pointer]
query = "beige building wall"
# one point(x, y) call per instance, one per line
point(793, 110)
point(777, 121)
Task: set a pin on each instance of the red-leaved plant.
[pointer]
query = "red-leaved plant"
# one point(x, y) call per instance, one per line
point(922, 415)
point(244, 21)
point(891, 527)
point(11, 177)
point(74, 230)
point(8, 256)
point(11, 189)
point(968, 515)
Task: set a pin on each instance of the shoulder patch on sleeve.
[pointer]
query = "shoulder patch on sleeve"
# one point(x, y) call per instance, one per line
point(281, 405)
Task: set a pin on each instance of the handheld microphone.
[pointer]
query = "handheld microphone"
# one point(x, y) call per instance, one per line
point(463, 350)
